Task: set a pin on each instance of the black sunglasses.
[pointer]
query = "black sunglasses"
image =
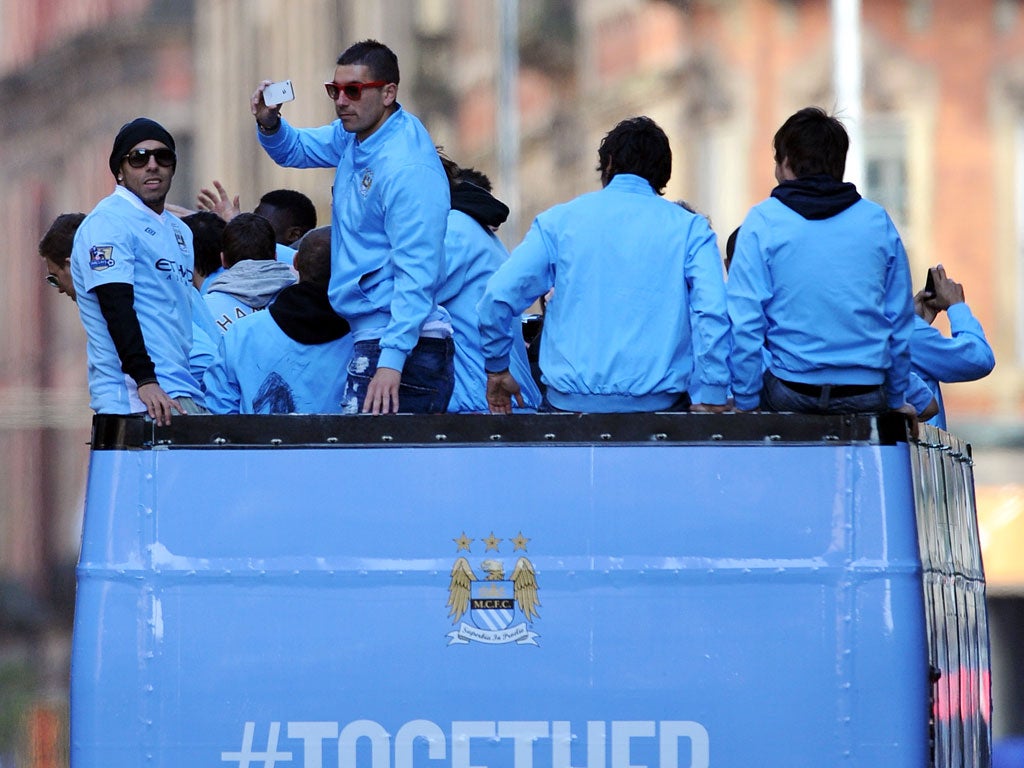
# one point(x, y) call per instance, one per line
point(139, 158)
point(52, 280)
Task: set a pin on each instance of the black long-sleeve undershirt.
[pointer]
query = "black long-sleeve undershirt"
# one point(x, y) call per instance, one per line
point(117, 304)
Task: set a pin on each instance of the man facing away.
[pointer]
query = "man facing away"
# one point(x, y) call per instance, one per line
point(207, 231)
point(388, 219)
point(252, 275)
point(472, 254)
point(638, 308)
point(286, 360)
point(132, 269)
point(819, 287)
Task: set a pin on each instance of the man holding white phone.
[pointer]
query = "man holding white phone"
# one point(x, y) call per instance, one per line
point(389, 214)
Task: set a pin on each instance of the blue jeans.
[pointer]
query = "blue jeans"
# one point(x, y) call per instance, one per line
point(776, 396)
point(428, 377)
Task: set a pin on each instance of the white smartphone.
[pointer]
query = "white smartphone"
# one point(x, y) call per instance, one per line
point(278, 93)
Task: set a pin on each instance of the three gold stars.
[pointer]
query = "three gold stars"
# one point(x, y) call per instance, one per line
point(491, 543)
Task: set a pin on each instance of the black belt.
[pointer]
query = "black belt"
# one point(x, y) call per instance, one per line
point(835, 390)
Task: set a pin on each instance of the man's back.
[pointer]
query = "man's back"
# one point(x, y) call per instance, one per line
point(622, 262)
point(819, 286)
point(248, 286)
point(829, 280)
point(472, 255)
point(262, 369)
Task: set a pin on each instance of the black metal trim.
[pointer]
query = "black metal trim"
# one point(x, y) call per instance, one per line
point(134, 432)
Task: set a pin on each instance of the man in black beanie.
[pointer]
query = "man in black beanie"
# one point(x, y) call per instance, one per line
point(132, 267)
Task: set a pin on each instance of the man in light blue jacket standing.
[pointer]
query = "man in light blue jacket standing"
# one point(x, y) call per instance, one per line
point(388, 220)
point(638, 309)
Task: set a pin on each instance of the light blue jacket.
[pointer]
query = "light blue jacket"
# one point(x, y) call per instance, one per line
point(248, 286)
point(638, 308)
point(829, 299)
point(388, 218)
point(472, 255)
point(964, 356)
point(259, 369)
point(205, 337)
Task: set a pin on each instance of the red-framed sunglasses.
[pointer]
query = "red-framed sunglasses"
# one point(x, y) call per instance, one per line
point(352, 91)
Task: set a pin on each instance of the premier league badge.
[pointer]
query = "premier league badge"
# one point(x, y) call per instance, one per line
point(101, 257)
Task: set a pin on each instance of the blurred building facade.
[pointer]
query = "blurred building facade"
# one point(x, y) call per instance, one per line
point(943, 142)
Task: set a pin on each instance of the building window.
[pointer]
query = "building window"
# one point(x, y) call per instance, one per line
point(885, 166)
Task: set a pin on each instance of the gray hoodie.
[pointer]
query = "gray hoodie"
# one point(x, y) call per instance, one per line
point(255, 283)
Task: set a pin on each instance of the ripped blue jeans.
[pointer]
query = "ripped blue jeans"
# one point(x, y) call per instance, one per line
point(428, 377)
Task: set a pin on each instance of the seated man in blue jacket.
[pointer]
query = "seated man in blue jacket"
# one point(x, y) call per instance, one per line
point(286, 360)
point(252, 275)
point(638, 309)
point(964, 356)
point(819, 287)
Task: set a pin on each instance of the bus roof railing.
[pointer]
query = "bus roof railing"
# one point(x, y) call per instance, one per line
point(111, 432)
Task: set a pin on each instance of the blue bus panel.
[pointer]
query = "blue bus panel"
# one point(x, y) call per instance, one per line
point(667, 591)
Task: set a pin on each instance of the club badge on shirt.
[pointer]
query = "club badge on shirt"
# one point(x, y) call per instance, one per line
point(367, 182)
point(101, 257)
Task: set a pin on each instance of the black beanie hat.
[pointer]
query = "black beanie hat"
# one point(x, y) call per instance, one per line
point(138, 130)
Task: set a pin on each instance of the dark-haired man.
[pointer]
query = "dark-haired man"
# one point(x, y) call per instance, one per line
point(819, 287)
point(638, 308)
point(289, 212)
point(55, 249)
point(252, 275)
point(286, 360)
point(388, 220)
point(132, 270)
point(472, 254)
point(207, 232)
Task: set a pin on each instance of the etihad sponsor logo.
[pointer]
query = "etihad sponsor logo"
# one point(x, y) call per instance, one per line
point(174, 269)
point(468, 744)
point(493, 603)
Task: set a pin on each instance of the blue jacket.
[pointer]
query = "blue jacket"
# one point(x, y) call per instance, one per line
point(205, 337)
point(248, 286)
point(828, 297)
point(388, 218)
point(472, 255)
point(638, 308)
point(291, 358)
point(965, 356)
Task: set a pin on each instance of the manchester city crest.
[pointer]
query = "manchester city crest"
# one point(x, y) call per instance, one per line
point(500, 607)
point(366, 183)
